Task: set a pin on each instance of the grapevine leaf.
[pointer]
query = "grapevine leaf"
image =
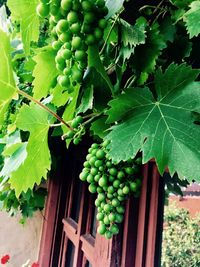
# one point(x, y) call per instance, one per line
point(87, 100)
point(99, 127)
point(60, 96)
point(7, 83)
point(38, 161)
point(95, 61)
point(191, 19)
point(162, 128)
point(113, 7)
point(181, 3)
point(133, 35)
point(25, 12)
point(15, 156)
point(146, 55)
point(45, 61)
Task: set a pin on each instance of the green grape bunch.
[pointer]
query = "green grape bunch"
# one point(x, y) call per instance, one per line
point(113, 184)
point(75, 25)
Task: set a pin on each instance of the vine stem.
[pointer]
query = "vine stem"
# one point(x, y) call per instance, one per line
point(110, 31)
point(20, 92)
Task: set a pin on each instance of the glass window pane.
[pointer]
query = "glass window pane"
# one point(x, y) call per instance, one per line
point(76, 200)
point(70, 254)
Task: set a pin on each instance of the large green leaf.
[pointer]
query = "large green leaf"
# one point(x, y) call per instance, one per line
point(191, 19)
point(38, 161)
point(44, 72)
point(7, 83)
point(25, 12)
point(163, 127)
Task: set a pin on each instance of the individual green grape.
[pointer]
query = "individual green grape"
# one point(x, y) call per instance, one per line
point(66, 4)
point(120, 209)
point(108, 235)
point(115, 202)
point(133, 186)
point(100, 3)
point(126, 190)
point(119, 218)
point(103, 181)
point(97, 177)
point(65, 37)
point(90, 40)
point(42, 10)
point(89, 17)
point(100, 216)
point(114, 229)
point(83, 176)
point(112, 217)
point(100, 154)
point(101, 229)
point(98, 163)
point(107, 208)
point(92, 188)
point(63, 81)
point(90, 178)
point(102, 23)
point(66, 54)
point(113, 171)
point(62, 26)
point(94, 171)
point(87, 6)
point(76, 43)
point(92, 160)
point(75, 28)
point(116, 183)
point(101, 197)
point(77, 141)
point(106, 220)
point(72, 17)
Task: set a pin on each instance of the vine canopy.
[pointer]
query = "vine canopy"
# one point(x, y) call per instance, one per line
point(136, 85)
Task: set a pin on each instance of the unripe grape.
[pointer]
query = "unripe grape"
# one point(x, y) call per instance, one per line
point(76, 42)
point(42, 10)
point(72, 17)
point(87, 6)
point(100, 154)
point(108, 235)
point(101, 229)
point(114, 229)
point(66, 4)
point(92, 188)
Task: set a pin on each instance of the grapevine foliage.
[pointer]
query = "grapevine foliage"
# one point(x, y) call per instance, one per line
point(126, 72)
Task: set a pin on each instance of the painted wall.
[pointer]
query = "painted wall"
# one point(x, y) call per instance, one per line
point(21, 242)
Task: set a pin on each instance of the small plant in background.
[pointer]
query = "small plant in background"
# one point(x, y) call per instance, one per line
point(181, 238)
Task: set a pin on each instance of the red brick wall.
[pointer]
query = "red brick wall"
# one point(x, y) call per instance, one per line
point(187, 202)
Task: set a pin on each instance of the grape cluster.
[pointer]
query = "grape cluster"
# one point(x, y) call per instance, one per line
point(74, 25)
point(78, 130)
point(113, 184)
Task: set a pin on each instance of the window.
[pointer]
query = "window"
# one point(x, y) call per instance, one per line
point(71, 236)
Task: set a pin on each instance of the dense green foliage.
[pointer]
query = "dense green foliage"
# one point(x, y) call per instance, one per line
point(181, 238)
point(122, 71)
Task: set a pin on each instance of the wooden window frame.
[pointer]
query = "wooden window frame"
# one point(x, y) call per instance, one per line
point(138, 244)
